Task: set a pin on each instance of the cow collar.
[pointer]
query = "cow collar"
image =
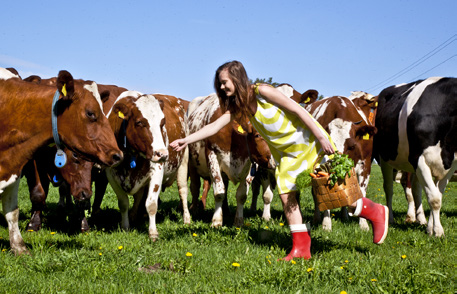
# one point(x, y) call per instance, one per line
point(61, 158)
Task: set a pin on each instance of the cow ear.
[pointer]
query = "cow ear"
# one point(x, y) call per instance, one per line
point(366, 132)
point(239, 129)
point(105, 95)
point(65, 84)
point(13, 71)
point(309, 96)
point(33, 79)
point(121, 109)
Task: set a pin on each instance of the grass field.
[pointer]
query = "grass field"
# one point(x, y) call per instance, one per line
point(198, 259)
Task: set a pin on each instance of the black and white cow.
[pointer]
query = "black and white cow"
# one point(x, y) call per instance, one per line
point(417, 133)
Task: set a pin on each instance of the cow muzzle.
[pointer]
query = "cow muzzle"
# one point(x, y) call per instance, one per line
point(160, 155)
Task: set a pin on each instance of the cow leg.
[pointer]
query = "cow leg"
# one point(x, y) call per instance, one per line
point(417, 196)
point(206, 187)
point(317, 219)
point(181, 180)
point(434, 195)
point(219, 189)
point(225, 206)
point(37, 195)
point(255, 189)
point(152, 204)
point(388, 185)
point(11, 212)
point(101, 183)
point(327, 221)
point(405, 181)
point(123, 203)
point(241, 196)
point(138, 207)
point(267, 198)
point(194, 190)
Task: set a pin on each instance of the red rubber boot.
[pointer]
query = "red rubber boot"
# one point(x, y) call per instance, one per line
point(377, 214)
point(301, 242)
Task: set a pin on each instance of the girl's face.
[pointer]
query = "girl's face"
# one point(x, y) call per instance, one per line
point(226, 83)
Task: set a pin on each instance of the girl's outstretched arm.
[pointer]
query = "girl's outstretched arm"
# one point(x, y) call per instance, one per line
point(274, 96)
point(203, 133)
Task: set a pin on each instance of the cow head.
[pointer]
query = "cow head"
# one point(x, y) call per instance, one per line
point(139, 124)
point(257, 146)
point(307, 97)
point(81, 123)
point(77, 172)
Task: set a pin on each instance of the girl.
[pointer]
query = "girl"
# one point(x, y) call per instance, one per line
point(295, 139)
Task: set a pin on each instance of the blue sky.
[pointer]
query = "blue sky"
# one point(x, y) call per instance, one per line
point(174, 47)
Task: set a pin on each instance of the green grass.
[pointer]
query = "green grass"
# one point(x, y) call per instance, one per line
point(63, 260)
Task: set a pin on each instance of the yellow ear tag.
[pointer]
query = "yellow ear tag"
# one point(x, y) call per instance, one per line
point(307, 100)
point(64, 90)
point(240, 129)
point(366, 136)
point(121, 115)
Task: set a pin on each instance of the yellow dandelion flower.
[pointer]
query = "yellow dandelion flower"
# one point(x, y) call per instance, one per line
point(341, 267)
point(403, 256)
point(235, 264)
point(120, 247)
point(269, 261)
point(379, 189)
point(346, 261)
point(293, 261)
point(188, 254)
point(53, 233)
point(100, 248)
point(268, 256)
point(350, 278)
point(100, 254)
point(194, 234)
point(374, 280)
point(281, 224)
point(333, 214)
point(238, 228)
point(4, 249)
point(266, 227)
point(343, 292)
point(309, 270)
point(29, 230)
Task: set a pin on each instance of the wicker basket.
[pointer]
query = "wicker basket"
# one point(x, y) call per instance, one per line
point(343, 193)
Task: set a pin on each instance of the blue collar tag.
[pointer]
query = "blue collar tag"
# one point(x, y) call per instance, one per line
point(61, 158)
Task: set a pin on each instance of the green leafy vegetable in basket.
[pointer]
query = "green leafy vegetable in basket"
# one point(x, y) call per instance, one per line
point(338, 167)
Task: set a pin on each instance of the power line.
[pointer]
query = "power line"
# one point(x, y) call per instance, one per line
point(414, 79)
point(416, 63)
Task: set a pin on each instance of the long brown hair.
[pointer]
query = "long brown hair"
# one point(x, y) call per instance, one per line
point(238, 105)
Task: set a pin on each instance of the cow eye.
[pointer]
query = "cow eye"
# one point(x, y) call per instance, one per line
point(139, 123)
point(91, 115)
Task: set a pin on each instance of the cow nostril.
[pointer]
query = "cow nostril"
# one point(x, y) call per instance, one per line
point(117, 157)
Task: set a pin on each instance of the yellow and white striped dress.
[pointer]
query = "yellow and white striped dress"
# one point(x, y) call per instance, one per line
point(292, 144)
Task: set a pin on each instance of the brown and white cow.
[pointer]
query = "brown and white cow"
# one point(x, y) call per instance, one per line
point(82, 127)
point(351, 131)
point(74, 178)
point(144, 125)
point(223, 157)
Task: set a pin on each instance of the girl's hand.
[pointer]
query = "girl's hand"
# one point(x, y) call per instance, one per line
point(326, 146)
point(179, 144)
